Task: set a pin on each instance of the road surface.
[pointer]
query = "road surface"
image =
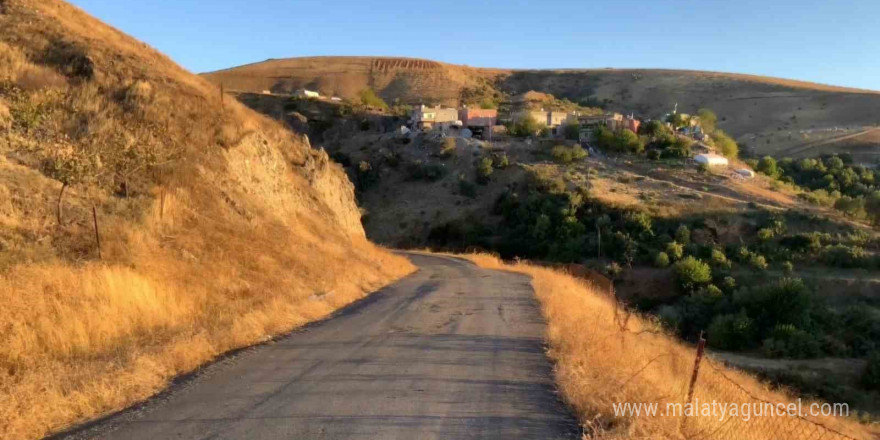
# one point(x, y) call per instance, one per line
point(450, 352)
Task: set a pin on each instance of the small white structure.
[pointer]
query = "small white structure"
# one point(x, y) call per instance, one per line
point(711, 160)
point(303, 93)
point(745, 172)
point(403, 130)
point(266, 92)
point(336, 99)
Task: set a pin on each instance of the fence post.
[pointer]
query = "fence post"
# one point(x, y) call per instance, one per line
point(222, 93)
point(701, 346)
point(97, 234)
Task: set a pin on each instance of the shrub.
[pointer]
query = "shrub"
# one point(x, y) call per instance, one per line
point(766, 234)
point(484, 170)
point(767, 165)
point(365, 176)
point(786, 301)
point(728, 283)
point(467, 188)
point(757, 261)
point(787, 267)
point(564, 155)
point(500, 161)
point(525, 127)
point(661, 259)
point(731, 331)
point(654, 154)
point(844, 256)
point(675, 250)
point(369, 98)
point(786, 340)
point(683, 234)
point(613, 270)
point(691, 272)
point(418, 170)
point(725, 144)
point(718, 258)
point(449, 146)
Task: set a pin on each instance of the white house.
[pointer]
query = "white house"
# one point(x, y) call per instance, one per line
point(711, 160)
point(303, 93)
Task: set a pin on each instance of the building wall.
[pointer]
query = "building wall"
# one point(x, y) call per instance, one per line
point(478, 117)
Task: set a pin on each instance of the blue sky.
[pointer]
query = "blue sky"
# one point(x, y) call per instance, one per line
point(827, 41)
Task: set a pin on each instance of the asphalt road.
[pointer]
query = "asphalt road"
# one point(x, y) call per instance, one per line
point(450, 352)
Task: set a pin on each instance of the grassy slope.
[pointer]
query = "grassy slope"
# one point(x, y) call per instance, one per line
point(604, 357)
point(219, 228)
point(768, 114)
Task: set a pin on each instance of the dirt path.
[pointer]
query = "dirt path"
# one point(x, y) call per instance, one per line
point(451, 352)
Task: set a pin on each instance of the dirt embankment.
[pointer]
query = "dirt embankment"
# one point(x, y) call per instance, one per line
point(216, 227)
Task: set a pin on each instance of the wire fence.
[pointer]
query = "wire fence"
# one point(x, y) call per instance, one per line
point(701, 382)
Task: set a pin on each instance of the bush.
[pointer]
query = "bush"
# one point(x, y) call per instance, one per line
point(675, 250)
point(718, 259)
point(525, 127)
point(786, 340)
point(767, 165)
point(484, 170)
point(786, 301)
point(565, 155)
point(787, 267)
point(500, 161)
point(726, 145)
point(661, 259)
point(467, 188)
point(418, 170)
point(844, 256)
point(449, 146)
point(731, 331)
point(571, 131)
point(369, 98)
point(757, 261)
point(654, 154)
point(683, 234)
point(691, 272)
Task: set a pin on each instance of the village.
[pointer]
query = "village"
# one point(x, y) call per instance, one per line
point(534, 115)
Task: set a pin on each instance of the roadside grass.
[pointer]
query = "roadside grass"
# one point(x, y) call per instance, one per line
point(218, 228)
point(603, 356)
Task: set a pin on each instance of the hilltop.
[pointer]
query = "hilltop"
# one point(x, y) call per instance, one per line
point(147, 224)
point(767, 115)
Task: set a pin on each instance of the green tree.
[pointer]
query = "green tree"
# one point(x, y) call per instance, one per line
point(527, 126)
point(767, 165)
point(661, 259)
point(369, 98)
point(571, 131)
point(675, 250)
point(683, 234)
point(708, 120)
point(691, 272)
point(484, 170)
point(725, 144)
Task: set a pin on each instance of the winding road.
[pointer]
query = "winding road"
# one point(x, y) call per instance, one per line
point(450, 352)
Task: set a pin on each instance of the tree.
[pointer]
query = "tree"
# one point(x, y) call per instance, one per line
point(692, 272)
point(725, 144)
point(767, 165)
point(707, 120)
point(369, 98)
point(484, 170)
point(527, 126)
point(626, 141)
point(571, 131)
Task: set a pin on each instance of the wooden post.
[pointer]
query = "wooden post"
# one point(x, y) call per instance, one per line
point(222, 93)
point(59, 205)
point(162, 204)
point(97, 233)
point(599, 241)
point(701, 346)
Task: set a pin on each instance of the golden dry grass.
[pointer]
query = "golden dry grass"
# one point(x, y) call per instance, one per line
point(219, 228)
point(598, 364)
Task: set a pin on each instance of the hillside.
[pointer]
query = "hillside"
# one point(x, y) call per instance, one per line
point(146, 224)
point(765, 114)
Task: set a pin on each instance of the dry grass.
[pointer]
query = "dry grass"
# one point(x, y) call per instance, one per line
point(218, 228)
point(601, 360)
